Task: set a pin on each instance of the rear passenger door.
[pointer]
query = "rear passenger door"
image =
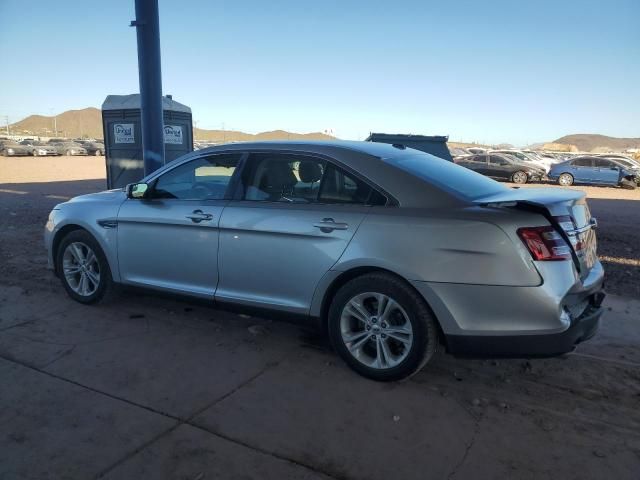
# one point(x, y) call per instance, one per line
point(291, 219)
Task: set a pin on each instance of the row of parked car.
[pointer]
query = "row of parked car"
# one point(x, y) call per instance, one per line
point(523, 166)
point(55, 146)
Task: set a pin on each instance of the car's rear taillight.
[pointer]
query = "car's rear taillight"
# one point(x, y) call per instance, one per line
point(545, 243)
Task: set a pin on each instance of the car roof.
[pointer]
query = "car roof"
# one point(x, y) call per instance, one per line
point(380, 150)
point(365, 158)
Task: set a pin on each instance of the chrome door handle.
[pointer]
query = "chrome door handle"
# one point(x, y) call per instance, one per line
point(328, 225)
point(198, 216)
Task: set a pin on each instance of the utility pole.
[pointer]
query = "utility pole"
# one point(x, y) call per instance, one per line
point(147, 25)
point(6, 119)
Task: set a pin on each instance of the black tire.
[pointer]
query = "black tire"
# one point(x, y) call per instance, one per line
point(97, 153)
point(423, 324)
point(105, 286)
point(520, 177)
point(68, 153)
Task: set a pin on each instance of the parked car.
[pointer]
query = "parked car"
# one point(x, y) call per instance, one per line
point(69, 148)
point(545, 164)
point(503, 167)
point(388, 249)
point(457, 152)
point(94, 148)
point(40, 149)
point(476, 150)
point(592, 171)
point(11, 148)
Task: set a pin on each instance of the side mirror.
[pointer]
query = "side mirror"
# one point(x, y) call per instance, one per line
point(137, 190)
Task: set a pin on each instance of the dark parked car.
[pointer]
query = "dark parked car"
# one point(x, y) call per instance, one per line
point(593, 171)
point(503, 167)
point(10, 148)
point(94, 148)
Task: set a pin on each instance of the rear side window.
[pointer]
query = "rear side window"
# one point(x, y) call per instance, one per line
point(341, 187)
point(277, 177)
point(582, 162)
point(447, 176)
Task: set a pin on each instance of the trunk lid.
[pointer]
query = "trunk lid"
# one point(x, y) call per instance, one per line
point(567, 210)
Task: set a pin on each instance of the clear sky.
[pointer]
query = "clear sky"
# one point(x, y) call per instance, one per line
point(486, 71)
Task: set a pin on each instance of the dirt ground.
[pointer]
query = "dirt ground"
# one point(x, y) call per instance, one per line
point(154, 387)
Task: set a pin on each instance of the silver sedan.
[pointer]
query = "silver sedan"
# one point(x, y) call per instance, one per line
point(393, 252)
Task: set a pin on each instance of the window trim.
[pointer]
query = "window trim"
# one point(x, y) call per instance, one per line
point(247, 154)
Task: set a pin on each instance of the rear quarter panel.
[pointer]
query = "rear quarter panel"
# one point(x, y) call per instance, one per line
point(468, 245)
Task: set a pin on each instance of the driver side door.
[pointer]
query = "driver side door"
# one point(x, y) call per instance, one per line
point(169, 239)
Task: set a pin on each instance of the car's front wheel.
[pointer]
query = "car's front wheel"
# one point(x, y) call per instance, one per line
point(98, 153)
point(381, 327)
point(565, 179)
point(83, 267)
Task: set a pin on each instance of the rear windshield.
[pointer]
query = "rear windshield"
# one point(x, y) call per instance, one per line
point(448, 176)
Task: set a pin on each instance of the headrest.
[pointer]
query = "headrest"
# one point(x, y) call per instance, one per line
point(278, 175)
point(309, 171)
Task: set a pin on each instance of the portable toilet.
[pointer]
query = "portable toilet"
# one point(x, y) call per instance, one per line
point(121, 124)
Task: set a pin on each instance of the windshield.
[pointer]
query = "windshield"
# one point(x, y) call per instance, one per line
point(448, 176)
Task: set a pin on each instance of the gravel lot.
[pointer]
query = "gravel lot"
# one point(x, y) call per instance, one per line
point(153, 387)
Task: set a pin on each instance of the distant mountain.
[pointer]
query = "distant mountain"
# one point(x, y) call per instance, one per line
point(71, 124)
point(220, 136)
point(586, 142)
point(88, 122)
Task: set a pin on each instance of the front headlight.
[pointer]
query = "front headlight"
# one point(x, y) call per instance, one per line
point(42, 152)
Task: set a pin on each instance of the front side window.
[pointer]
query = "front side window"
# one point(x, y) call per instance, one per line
point(604, 163)
point(204, 178)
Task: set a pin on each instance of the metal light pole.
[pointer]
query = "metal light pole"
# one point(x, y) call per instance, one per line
point(148, 30)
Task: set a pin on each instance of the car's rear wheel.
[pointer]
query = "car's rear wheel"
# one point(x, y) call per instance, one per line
point(565, 179)
point(83, 267)
point(381, 327)
point(520, 177)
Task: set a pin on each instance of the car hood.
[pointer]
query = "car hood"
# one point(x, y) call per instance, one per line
point(116, 195)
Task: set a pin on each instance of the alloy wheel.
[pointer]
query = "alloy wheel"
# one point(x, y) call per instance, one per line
point(520, 177)
point(565, 180)
point(81, 269)
point(376, 330)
